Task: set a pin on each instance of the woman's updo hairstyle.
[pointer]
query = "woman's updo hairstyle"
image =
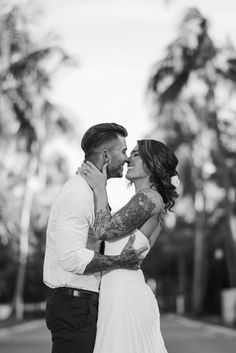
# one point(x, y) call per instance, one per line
point(161, 162)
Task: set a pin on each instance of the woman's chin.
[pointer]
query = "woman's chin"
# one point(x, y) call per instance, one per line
point(128, 177)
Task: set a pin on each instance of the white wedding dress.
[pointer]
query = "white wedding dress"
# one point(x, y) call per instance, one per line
point(128, 315)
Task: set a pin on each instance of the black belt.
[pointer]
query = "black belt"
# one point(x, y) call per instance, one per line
point(79, 293)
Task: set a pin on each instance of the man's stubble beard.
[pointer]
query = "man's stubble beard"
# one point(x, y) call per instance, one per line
point(118, 173)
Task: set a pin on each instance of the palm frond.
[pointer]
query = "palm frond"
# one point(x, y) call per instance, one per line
point(160, 72)
point(189, 52)
point(55, 116)
point(229, 70)
point(173, 91)
point(13, 33)
point(29, 62)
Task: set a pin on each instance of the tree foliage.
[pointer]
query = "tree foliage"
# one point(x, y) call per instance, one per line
point(192, 92)
point(29, 124)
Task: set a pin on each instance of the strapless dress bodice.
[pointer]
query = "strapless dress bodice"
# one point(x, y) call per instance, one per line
point(115, 247)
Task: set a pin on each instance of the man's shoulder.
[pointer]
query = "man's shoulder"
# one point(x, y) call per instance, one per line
point(76, 184)
point(75, 194)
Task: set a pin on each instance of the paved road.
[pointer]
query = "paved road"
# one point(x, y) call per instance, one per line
point(185, 336)
point(27, 338)
point(181, 336)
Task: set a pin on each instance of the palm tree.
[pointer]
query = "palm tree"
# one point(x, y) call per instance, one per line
point(194, 63)
point(25, 79)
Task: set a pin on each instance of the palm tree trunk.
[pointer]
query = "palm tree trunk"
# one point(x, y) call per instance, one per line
point(199, 254)
point(230, 239)
point(181, 297)
point(18, 304)
point(230, 233)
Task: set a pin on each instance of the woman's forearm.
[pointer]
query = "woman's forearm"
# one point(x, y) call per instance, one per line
point(100, 199)
point(103, 228)
point(102, 212)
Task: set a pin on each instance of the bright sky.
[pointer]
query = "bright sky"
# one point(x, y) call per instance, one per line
point(116, 43)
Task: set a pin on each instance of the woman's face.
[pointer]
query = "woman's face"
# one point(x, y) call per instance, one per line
point(136, 167)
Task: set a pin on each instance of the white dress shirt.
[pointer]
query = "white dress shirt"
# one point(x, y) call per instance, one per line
point(66, 255)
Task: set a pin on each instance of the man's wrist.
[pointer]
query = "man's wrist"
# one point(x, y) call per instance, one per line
point(103, 263)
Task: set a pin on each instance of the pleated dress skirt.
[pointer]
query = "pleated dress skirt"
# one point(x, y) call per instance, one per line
point(128, 316)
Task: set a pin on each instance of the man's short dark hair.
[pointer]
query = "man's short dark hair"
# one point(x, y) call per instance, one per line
point(99, 134)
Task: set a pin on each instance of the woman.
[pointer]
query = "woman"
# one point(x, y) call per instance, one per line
point(128, 317)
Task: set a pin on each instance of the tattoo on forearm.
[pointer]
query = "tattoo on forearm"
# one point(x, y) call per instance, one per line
point(128, 218)
point(128, 259)
point(102, 263)
point(102, 218)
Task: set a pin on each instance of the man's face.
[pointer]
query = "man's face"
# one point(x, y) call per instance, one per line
point(117, 158)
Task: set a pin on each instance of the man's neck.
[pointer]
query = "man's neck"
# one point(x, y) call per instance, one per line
point(95, 162)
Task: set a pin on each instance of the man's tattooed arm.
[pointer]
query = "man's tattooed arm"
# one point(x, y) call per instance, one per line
point(103, 263)
point(133, 215)
point(129, 258)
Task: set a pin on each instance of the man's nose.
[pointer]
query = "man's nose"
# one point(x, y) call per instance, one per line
point(127, 159)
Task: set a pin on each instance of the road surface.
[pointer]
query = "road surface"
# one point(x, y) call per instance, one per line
point(180, 335)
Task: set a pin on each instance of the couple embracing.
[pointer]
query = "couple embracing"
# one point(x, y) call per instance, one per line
point(115, 312)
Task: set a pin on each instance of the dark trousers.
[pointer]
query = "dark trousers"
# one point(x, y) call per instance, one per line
point(72, 322)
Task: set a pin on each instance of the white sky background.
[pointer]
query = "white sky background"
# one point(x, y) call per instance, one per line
point(116, 43)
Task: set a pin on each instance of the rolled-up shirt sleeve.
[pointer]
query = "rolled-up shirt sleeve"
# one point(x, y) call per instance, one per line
point(74, 217)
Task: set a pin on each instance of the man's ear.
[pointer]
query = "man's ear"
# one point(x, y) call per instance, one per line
point(106, 157)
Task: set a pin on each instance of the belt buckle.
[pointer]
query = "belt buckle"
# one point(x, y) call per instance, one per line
point(76, 293)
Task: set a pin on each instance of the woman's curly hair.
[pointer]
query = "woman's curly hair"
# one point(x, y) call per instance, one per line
point(161, 162)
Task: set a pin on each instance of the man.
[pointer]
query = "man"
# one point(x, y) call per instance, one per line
point(70, 268)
